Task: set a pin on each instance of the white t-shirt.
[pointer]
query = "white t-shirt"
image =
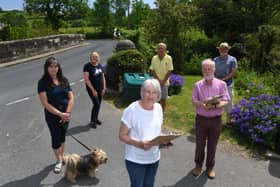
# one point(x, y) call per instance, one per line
point(143, 125)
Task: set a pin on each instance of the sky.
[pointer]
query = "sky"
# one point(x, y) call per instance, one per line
point(18, 4)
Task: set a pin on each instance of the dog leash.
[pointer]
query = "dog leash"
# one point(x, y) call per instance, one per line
point(80, 142)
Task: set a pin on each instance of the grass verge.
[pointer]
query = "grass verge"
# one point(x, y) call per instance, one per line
point(180, 114)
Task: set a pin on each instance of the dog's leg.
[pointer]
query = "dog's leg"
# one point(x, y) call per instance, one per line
point(71, 177)
point(92, 173)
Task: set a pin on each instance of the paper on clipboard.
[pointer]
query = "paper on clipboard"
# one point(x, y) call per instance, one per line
point(164, 138)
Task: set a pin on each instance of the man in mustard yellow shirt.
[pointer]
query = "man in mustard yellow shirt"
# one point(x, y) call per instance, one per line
point(161, 68)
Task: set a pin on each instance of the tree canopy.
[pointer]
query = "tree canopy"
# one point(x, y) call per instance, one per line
point(55, 10)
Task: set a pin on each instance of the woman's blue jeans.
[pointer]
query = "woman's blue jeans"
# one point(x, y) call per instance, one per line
point(141, 175)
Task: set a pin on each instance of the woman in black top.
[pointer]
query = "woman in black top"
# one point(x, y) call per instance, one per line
point(57, 99)
point(95, 85)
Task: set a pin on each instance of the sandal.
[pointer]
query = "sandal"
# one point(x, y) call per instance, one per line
point(58, 167)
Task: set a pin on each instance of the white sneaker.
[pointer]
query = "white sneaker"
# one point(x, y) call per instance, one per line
point(58, 167)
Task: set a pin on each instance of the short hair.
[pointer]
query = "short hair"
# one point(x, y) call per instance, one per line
point(208, 61)
point(154, 83)
point(162, 44)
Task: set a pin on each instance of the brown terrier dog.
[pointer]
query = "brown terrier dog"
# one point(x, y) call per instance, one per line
point(88, 164)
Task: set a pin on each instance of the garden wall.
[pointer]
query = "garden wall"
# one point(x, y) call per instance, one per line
point(18, 49)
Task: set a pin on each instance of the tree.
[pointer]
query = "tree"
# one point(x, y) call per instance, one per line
point(166, 24)
point(17, 26)
point(229, 19)
point(119, 10)
point(102, 14)
point(55, 10)
point(140, 11)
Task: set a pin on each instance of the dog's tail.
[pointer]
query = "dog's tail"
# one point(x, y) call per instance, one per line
point(71, 161)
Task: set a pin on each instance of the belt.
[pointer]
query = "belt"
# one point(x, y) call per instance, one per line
point(209, 117)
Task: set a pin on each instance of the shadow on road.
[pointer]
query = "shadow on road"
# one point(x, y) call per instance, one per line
point(274, 167)
point(77, 129)
point(33, 180)
point(81, 181)
point(190, 181)
point(36, 180)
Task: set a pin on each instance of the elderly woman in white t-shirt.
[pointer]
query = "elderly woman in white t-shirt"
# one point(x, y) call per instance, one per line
point(141, 122)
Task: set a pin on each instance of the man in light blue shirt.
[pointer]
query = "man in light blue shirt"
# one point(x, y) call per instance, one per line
point(226, 68)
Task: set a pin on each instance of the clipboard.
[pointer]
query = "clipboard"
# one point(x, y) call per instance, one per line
point(214, 100)
point(164, 138)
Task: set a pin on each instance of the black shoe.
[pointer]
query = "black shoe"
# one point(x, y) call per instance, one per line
point(92, 125)
point(98, 122)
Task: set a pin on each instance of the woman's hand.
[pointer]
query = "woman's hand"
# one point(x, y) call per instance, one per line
point(147, 145)
point(94, 92)
point(103, 92)
point(65, 117)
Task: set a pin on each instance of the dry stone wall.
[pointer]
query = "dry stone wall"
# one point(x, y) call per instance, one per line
point(18, 49)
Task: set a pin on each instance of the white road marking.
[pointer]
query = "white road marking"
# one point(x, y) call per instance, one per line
point(18, 101)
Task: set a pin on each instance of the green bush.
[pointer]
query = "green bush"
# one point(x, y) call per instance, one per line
point(98, 35)
point(251, 84)
point(194, 66)
point(78, 23)
point(244, 64)
point(16, 33)
point(146, 48)
point(131, 61)
point(132, 35)
point(138, 38)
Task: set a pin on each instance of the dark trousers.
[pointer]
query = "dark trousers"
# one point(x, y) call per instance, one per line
point(96, 101)
point(208, 130)
point(57, 129)
point(141, 175)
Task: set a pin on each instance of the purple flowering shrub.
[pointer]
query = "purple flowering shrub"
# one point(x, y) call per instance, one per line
point(176, 84)
point(258, 117)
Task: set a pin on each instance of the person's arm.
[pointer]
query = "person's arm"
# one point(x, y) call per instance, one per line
point(230, 75)
point(221, 104)
point(86, 77)
point(223, 101)
point(49, 107)
point(124, 137)
point(198, 103)
point(66, 118)
point(104, 84)
point(155, 76)
point(167, 75)
point(170, 69)
point(195, 98)
point(70, 102)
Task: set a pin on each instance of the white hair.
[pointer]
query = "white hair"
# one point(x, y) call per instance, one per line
point(162, 44)
point(151, 82)
point(208, 61)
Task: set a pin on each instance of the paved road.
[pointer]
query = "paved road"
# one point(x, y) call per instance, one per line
point(30, 162)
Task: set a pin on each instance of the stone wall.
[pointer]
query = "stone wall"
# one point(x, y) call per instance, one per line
point(18, 49)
